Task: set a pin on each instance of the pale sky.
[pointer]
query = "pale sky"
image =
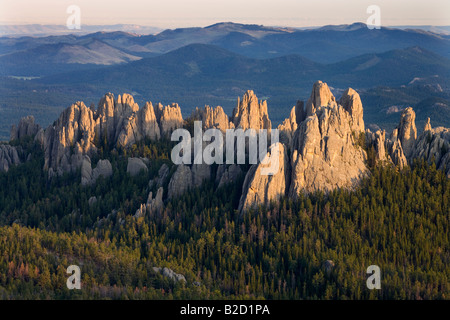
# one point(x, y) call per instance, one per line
point(185, 13)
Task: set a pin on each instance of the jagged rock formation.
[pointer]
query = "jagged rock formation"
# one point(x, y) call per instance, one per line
point(213, 118)
point(181, 181)
point(26, 127)
point(319, 148)
point(153, 204)
point(433, 145)
point(80, 130)
point(186, 177)
point(290, 125)
point(386, 150)
point(250, 113)
point(351, 102)
point(71, 136)
point(122, 121)
point(169, 273)
point(261, 188)
point(163, 173)
point(406, 131)
point(377, 140)
point(89, 176)
point(9, 156)
point(321, 96)
point(427, 126)
point(226, 175)
point(396, 153)
point(325, 155)
point(135, 165)
point(139, 125)
point(170, 118)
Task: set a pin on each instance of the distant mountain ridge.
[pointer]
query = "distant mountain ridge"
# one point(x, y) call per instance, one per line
point(325, 44)
point(46, 58)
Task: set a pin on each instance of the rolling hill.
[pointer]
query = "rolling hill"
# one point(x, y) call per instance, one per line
point(47, 58)
point(329, 44)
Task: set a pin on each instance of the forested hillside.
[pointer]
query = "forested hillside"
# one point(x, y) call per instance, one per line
point(316, 247)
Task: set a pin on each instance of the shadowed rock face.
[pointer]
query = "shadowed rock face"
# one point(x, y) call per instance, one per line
point(386, 150)
point(288, 127)
point(135, 165)
point(404, 146)
point(26, 127)
point(8, 157)
point(433, 145)
point(186, 177)
point(89, 176)
point(261, 189)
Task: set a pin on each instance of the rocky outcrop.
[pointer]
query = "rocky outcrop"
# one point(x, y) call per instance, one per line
point(92, 201)
point(81, 130)
point(427, 126)
point(290, 125)
point(155, 204)
point(386, 150)
point(226, 175)
point(135, 165)
point(89, 176)
point(395, 150)
point(186, 177)
point(213, 118)
point(250, 113)
point(170, 118)
point(351, 102)
point(325, 155)
point(433, 145)
point(406, 131)
point(321, 96)
point(9, 156)
point(72, 134)
point(152, 205)
point(163, 174)
point(377, 140)
point(170, 274)
point(139, 125)
point(181, 181)
point(115, 118)
point(259, 188)
point(26, 127)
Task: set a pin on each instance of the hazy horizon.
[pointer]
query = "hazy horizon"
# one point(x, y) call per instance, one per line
point(200, 13)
